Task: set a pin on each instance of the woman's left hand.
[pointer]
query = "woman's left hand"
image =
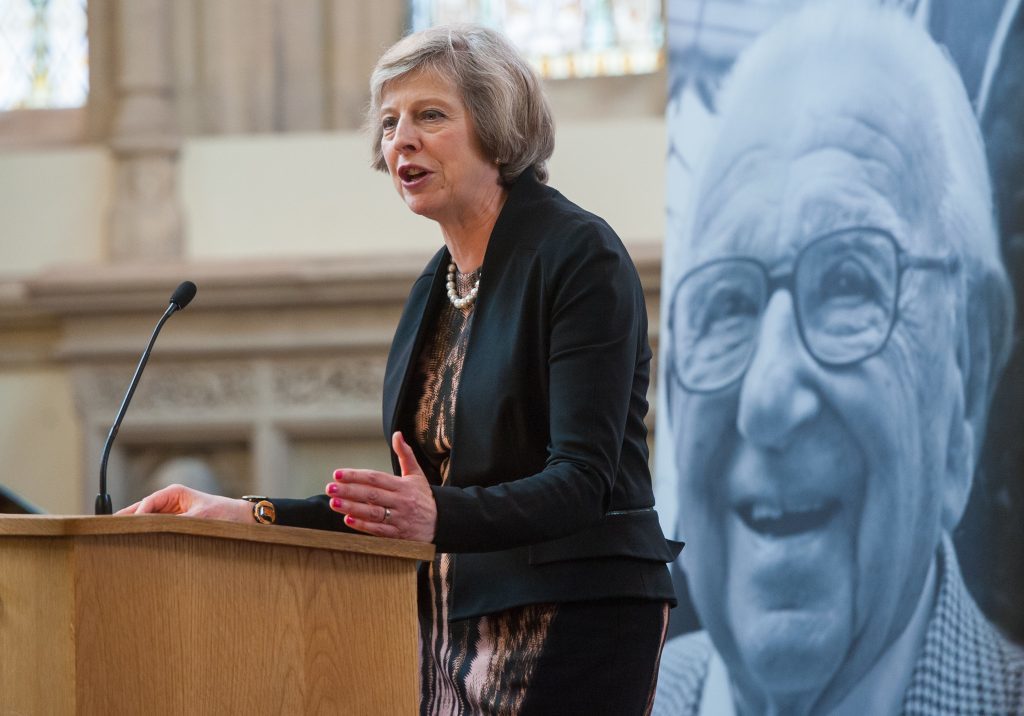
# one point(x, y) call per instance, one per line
point(385, 505)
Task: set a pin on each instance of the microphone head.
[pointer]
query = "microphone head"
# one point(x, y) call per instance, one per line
point(183, 294)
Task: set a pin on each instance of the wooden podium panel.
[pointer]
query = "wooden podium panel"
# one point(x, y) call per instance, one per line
point(169, 615)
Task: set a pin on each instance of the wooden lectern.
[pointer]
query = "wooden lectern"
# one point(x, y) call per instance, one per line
point(159, 614)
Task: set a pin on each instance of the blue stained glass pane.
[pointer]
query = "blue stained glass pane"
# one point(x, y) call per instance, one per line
point(565, 38)
point(44, 54)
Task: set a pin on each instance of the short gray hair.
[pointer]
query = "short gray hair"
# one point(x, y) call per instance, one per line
point(503, 94)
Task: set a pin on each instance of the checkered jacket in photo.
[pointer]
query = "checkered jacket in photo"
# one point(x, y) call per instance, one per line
point(965, 665)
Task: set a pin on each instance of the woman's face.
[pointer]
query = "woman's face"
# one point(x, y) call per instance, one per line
point(432, 151)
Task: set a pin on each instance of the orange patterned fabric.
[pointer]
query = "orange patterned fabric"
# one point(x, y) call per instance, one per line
point(480, 665)
point(440, 366)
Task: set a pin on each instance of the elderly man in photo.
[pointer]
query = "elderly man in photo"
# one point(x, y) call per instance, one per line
point(836, 330)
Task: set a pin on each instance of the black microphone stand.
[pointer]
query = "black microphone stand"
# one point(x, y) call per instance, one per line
point(179, 300)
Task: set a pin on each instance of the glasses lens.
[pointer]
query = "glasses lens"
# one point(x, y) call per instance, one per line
point(846, 294)
point(715, 317)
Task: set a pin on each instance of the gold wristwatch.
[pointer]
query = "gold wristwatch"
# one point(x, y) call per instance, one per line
point(262, 509)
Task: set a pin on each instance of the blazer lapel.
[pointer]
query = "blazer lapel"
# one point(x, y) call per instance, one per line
point(502, 245)
point(405, 346)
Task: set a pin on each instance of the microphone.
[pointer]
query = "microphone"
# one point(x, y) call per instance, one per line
point(181, 297)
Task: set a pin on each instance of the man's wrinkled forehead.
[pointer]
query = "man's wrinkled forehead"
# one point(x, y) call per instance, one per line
point(805, 154)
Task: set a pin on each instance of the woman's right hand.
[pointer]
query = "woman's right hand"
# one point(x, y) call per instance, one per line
point(181, 500)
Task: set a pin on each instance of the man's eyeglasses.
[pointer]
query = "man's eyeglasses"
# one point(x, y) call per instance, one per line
point(845, 287)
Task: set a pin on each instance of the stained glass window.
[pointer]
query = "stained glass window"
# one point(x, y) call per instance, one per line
point(565, 38)
point(44, 54)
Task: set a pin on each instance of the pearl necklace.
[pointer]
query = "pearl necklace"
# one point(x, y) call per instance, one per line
point(453, 296)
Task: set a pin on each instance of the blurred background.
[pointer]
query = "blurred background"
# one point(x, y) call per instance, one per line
point(144, 142)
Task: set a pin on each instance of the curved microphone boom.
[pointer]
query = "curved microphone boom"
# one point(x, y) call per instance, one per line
point(181, 297)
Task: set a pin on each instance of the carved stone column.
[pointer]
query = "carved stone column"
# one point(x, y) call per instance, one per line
point(146, 219)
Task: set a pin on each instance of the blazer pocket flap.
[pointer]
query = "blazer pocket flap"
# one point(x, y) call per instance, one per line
point(635, 534)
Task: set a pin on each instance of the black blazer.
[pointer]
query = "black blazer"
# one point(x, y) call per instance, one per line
point(549, 495)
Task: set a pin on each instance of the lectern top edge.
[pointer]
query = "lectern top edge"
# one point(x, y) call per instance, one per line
point(83, 526)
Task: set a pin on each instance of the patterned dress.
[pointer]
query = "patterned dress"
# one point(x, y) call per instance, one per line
point(520, 660)
point(478, 665)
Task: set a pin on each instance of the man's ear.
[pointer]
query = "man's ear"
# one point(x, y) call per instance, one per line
point(959, 469)
point(982, 350)
point(967, 414)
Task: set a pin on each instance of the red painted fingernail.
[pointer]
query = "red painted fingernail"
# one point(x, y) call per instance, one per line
point(335, 502)
point(333, 488)
point(349, 520)
point(339, 474)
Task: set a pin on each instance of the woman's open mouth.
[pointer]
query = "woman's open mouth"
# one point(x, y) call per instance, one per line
point(411, 174)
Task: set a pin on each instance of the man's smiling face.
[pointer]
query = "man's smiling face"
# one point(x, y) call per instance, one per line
point(817, 491)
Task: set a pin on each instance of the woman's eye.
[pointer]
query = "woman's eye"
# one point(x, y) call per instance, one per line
point(431, 115)
point(388, 123)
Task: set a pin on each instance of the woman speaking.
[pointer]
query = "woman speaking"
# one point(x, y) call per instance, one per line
point(515, 396)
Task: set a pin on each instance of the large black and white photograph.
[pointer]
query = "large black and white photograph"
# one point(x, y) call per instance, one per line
point(840, 364)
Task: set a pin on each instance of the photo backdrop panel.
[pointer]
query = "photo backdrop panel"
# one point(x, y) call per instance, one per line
point(842, 370)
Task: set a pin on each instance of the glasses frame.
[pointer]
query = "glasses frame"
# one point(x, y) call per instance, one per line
point(786, 280)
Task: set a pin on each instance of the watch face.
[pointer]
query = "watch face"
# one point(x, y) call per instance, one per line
point(264, 512)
